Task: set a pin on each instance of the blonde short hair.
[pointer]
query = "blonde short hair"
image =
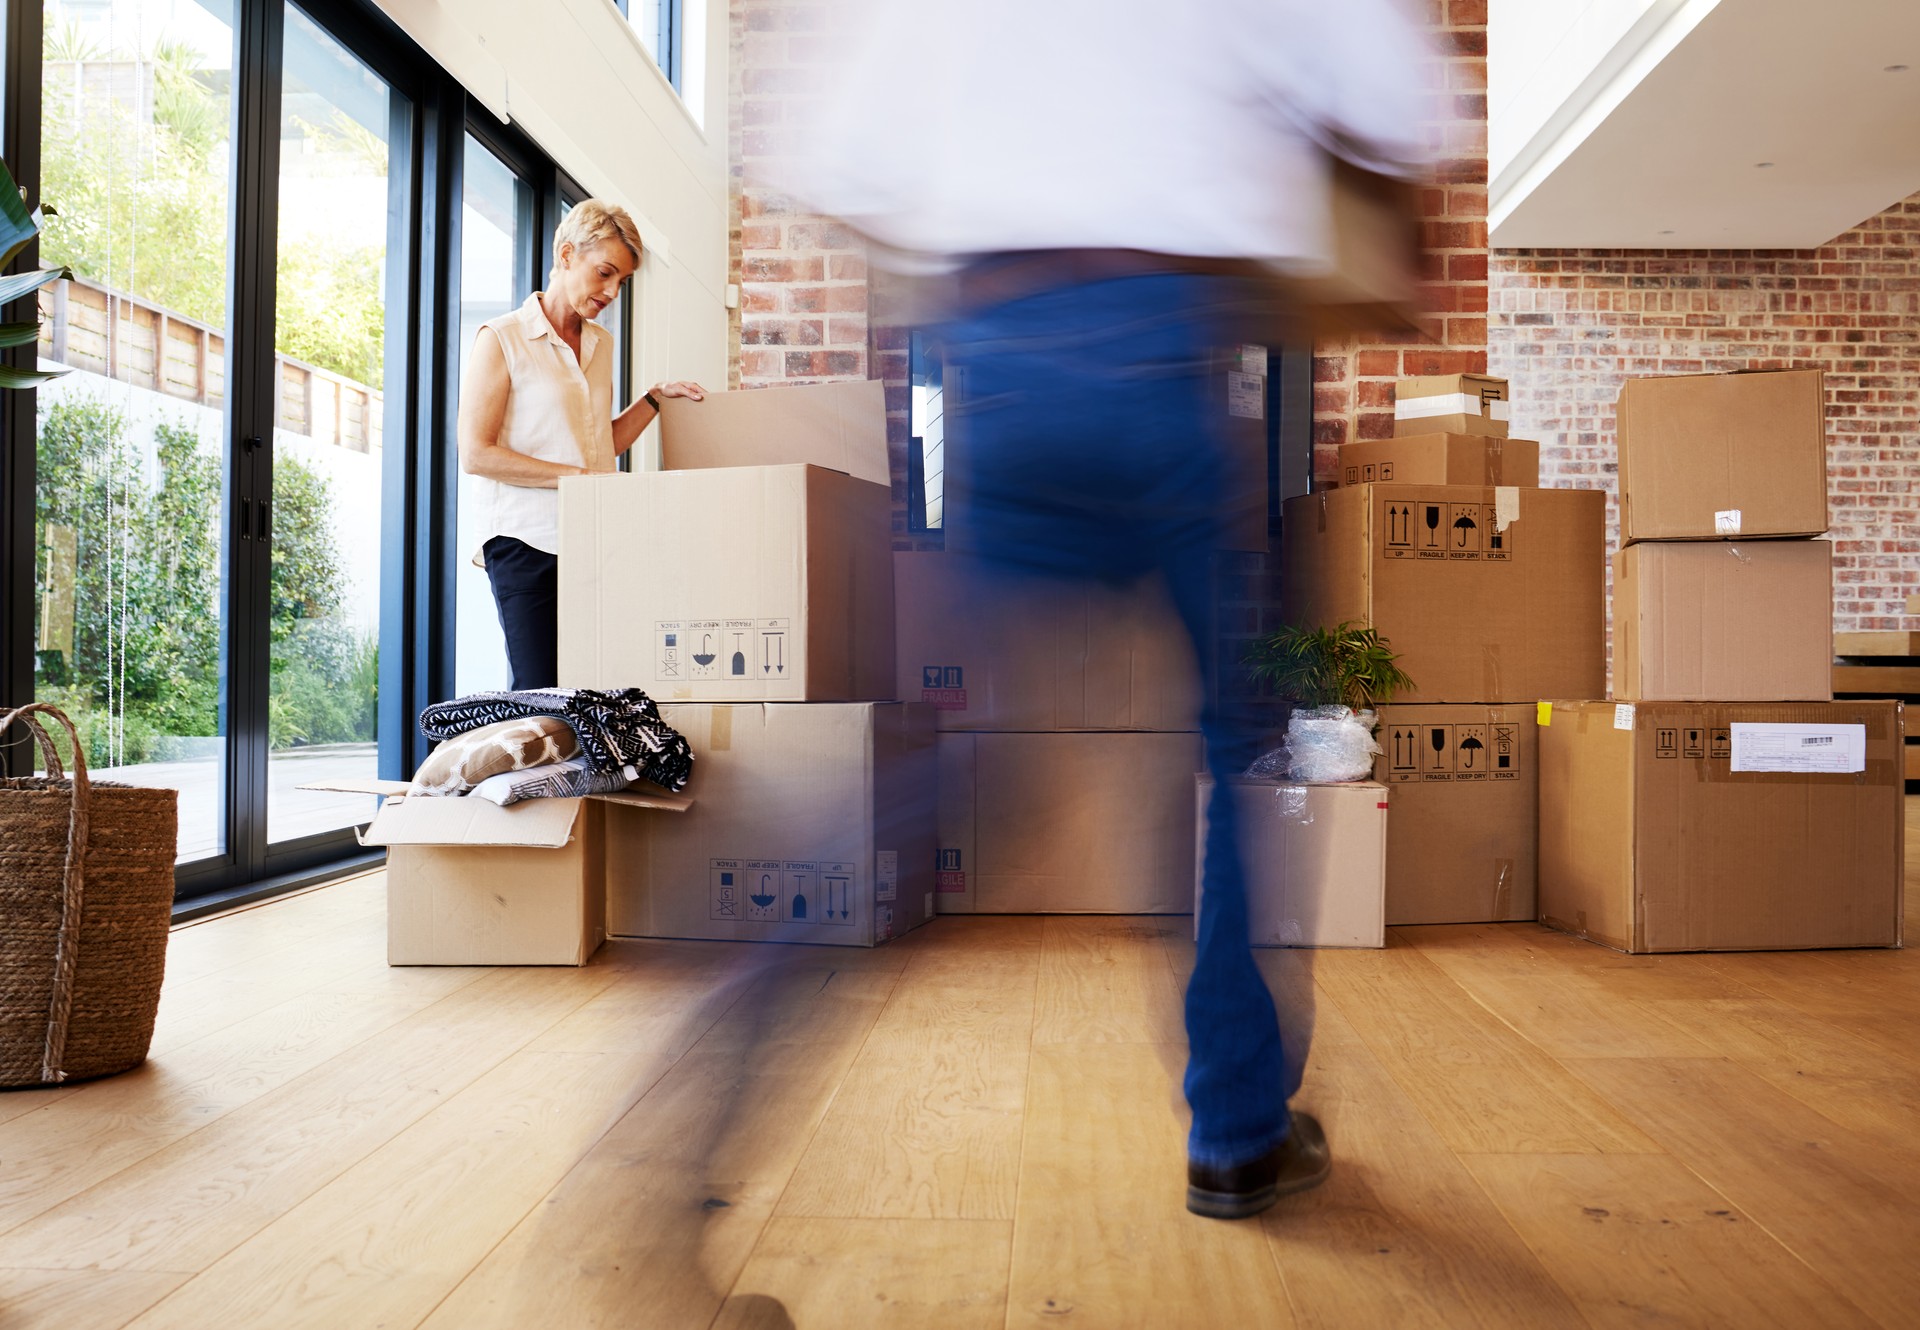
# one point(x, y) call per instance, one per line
point(592, 220)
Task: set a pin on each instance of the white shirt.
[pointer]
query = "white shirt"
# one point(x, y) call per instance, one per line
point(1200, 128)
point(558, 409)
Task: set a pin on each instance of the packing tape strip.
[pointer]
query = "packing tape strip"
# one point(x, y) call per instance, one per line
point(1502, 888)
point(1506, 506)
point(1450, 404)
point(1493, 455)
point(1490, 669)
point(1323, 512)
point(720, 729)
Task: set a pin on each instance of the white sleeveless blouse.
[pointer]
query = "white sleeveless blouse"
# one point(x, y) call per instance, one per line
point(558, 409)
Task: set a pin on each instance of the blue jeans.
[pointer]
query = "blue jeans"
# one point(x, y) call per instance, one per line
point(1089, 444)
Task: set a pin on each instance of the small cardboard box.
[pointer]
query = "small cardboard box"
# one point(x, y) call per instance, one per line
point(813, 823)
point(472, 883)
point(757, 567)
point(1465, 781)
point(1066, 823)
point(1488, 595)
point(1723, 621)
point(1315, 859)
point(991, 652)
point(1713, 456)
point(1677, 826)
point(1441, 459)
point(1451, 404)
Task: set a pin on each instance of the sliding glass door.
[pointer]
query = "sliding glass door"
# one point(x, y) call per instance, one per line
point(208, 525)
point(129, 553)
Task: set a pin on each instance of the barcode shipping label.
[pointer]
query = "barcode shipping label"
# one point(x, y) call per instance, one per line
point(1246, 396)
point(1837, 749)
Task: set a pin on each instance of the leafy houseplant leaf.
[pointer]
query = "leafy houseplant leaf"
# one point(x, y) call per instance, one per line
point(17, 225)
point(1350, 666)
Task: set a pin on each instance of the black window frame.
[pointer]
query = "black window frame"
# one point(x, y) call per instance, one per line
point(419, 561)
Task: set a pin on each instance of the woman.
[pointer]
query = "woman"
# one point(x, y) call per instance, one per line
point(536, 406)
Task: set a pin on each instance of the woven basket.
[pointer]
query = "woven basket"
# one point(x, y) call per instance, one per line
point(86, 898)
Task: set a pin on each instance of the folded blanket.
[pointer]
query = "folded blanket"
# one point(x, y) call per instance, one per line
point(620, 732)
point(556, 780)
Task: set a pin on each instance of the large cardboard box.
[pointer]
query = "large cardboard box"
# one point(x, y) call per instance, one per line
point(757, 567)
point(1441, 459)
point(812, 823)
point(1451, 403)
point(1488, 595)
point(1713, 456)
point(1465, 781)
point(1066, 823)
point(1315, 859)
point(992, 652)
point(472, 883)
point(1723, 621)
point(1676, 826)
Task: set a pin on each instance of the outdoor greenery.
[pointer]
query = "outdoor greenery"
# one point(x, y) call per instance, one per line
point(142, 576)
point(142, 206)
point(1320, 667)
point(126, 538)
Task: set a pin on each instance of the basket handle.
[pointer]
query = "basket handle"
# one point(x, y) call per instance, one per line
point(40, 736)
point(73, 885)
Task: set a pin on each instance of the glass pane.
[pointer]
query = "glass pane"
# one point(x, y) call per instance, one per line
point(136, 108)
point(496, 274)
point(331, 330)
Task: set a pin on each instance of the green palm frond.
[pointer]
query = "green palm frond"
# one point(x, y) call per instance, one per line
point(1350, 665)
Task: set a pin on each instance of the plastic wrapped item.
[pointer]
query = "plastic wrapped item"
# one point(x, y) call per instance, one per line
point(1324, 745)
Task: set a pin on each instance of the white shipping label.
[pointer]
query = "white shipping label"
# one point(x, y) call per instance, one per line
point(1817, 748)
point(1623, 716)
point(1253, 360)
point(1499, 409)
point(1246, 396)
point(1506, 506)
point(1727, 522)
point(886, 874)
point(1446, 404)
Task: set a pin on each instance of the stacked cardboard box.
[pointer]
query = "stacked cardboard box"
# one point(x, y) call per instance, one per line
point(748, 586)
point(1491, 590)
point(1723, 801)
point(1068, 719)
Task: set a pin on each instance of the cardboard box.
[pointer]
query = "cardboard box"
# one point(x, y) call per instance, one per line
point(764, 582)
point(992, 652)
point(1675, 826)
point(1488, 595)
point(813, 823)
point(1441, 459)
point(1713, 456)
point(1315, 858)
point(1722, 621)
point(472, 883)
point(1451, 404)
point(1465, 781)
point(1066, 823)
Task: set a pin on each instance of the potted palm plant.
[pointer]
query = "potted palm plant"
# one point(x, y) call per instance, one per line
point(1335, 677)
point(18, 227)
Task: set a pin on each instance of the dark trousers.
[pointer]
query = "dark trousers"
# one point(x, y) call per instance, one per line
point(1093, 447)
point(526, 590)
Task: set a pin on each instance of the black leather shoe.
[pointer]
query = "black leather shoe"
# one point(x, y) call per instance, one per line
point(1300, 1162)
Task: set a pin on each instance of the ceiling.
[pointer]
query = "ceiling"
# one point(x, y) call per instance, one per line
point(1747, 124)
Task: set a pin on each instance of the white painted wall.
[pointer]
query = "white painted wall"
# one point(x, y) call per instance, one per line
point(574, 75)
point(1539, 51)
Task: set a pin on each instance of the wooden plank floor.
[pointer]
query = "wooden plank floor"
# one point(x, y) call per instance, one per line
point(980, 1126)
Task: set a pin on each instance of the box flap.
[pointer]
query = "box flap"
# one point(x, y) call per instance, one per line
point(840, 426)
point(384, 788)
point(666, 803)
point(532, 823)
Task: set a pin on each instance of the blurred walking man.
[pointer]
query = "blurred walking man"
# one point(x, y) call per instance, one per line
point(1110, 188)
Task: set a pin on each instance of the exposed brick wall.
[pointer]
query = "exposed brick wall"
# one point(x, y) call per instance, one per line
point(1568, 326)
point(806, 305)
point(1353, 379)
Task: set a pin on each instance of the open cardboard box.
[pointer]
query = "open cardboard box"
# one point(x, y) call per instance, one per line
point(757, 566)
point(472, 883)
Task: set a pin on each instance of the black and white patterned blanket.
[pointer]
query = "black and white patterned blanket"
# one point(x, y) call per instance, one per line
point(619, 731)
